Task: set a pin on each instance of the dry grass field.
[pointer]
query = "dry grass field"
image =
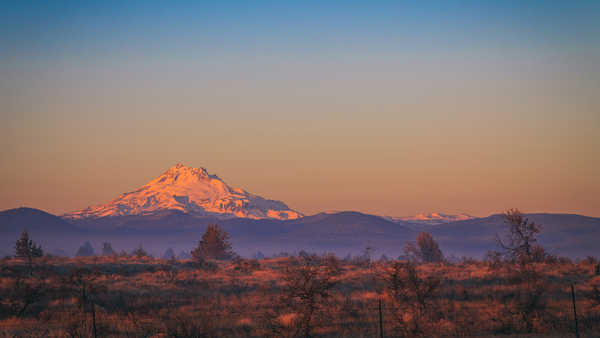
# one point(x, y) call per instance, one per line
point(308, 295)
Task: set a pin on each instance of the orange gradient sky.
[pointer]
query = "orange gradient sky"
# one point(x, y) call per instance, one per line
point(373, 121)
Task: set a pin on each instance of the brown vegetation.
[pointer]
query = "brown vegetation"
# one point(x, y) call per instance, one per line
point(521, 291)
point(293, 296)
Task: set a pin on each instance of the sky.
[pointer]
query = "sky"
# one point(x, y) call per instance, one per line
point(383, 107)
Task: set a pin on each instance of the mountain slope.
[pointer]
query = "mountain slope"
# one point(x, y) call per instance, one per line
point(34, 220)
point(193, 191)
point(349, 223)
point(343, 232)
point(561, 234)
point(50, 231)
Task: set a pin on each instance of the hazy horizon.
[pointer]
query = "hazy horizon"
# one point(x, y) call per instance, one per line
point(388, 108)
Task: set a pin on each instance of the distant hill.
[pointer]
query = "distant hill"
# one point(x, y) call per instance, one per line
point(562, 234)
point(342, 232)
point(51, 231)
point(34, 220)
point(339, 232)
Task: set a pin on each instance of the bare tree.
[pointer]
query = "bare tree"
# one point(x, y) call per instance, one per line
point(416, 295)
point(308, 287)
point(519, 242)
point(426, 250)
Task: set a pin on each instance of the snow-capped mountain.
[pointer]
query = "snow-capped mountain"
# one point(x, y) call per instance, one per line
point(193, 191)
point(433, 218)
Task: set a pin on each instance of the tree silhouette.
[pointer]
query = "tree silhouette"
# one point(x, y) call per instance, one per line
point(25, 248)
point(307, 291)
point(427, 250)
point(214, 244)
point(519, 242)
point(417, 294)
point(139, 252)
point(85, 250)
point(107, 249)
point(169, 254)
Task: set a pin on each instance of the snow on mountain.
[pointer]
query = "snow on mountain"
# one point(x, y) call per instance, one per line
point(433, 218)
point(193, 191)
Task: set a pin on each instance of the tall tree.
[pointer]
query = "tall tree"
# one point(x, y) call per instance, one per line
point(426, 250)
point(26, 248)
point(521, 236)
point(214, 244)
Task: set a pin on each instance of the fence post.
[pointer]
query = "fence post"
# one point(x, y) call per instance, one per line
point(94, 320)
point(380, 320)
point(574, 311)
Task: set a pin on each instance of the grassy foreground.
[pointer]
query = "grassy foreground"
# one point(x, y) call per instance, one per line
point(294, 296)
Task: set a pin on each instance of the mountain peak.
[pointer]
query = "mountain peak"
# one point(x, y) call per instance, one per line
point(193, 191)
point(433, 218)
point(181, 167)
point(181, 173)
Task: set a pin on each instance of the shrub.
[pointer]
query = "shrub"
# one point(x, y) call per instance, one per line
point(245, 265)
point(493, 259)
